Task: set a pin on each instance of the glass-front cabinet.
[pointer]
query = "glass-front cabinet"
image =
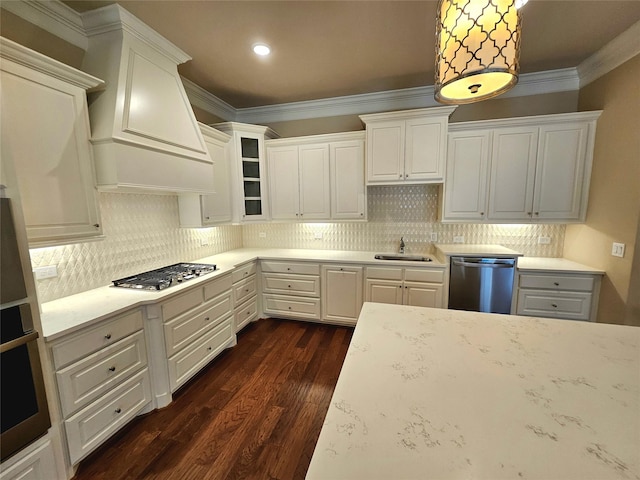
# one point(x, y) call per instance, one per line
point(248, 170)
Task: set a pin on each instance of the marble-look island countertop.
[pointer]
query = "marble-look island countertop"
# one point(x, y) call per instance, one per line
point(442, 394)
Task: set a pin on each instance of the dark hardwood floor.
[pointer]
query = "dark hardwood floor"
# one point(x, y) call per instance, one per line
point(255, 412)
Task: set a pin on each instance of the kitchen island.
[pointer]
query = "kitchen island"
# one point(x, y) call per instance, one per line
point(442, 394)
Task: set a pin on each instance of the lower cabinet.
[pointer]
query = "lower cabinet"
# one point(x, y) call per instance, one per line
point(291, 290)
point(245, 295)
point(571, 296)
point(405, 286)
point(341, 293)
point(35, 462)
point(103, 380)
point(198, 325)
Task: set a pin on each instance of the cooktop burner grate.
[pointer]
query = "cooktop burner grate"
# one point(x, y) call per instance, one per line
point(165, 277)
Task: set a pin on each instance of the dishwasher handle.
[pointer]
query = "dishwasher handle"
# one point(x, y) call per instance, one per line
point(480, 264)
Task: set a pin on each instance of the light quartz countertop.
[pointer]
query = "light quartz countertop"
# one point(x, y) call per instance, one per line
point(556, 265)
point(69, 314)
point(443, 394)
point(471, 250)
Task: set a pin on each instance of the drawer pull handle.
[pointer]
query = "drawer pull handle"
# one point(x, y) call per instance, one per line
point(557, 284)
point(554, 305)
point(108, 336)
point(118, 410)
point(112, 369)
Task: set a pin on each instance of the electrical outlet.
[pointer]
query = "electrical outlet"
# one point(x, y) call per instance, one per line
point(204, 242)
point(617, 250)
point(262, 234)
point(544, 240)
point(434, 237)
point(317, 235)
point(42, 273)
point(458, 239)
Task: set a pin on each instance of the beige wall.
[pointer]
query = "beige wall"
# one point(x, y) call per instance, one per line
point(614, 196)
point(205, 117)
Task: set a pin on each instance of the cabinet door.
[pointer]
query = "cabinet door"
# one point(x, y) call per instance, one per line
point(424, 150)
point(513, 167)
point(250, 151)
point(45, 133)
point(465, 191)
point(383, 291)
point(216, 208)
point(283, 182)
point(315, 196)
point(341, 294)
point(348, 191)
point(560, 172)
point(385, 152)
point(418, 294)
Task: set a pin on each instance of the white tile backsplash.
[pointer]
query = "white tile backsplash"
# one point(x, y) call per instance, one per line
point(142, 232)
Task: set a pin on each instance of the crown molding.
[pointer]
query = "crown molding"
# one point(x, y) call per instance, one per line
point(53, 16)
point(622, 48)
point(538, 83)
point(200, 98)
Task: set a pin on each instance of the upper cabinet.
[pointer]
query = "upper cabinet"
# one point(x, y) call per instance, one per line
point(319, 177)
point(520, 170)
point(249, 198)
point(45, 135)
point(144, 133)
point(211, 209)
point(407, 146)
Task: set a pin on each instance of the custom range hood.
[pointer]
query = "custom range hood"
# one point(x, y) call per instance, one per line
point(145, 136)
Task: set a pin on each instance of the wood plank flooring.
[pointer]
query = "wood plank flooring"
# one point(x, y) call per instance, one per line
point(254, 413)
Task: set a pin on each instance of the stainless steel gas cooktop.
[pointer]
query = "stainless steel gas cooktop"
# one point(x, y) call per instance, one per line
point(165, 277)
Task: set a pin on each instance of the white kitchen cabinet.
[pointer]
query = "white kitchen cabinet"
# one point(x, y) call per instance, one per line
point(465, 189)
point(348, 190)
point(407, 146)
point(103, 380)
point(206, 210)
point(419, 287)
point(245, 294)
point(538, 169)
point(318, 177)
point(291, 290)
point(565, 295)
point(342, 296)
point(249, 185)
point(35, 462)
point(45, 134)
point(299, 182)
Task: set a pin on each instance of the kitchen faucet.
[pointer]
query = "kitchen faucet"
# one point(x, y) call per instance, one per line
point(401, 245)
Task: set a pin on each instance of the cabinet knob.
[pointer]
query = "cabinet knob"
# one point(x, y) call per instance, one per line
point(362, 214)
point(406, 176)
point(118, 410)
point(288, 286)
point(97, 225)
point(400, 176)
point(246, 290)
point(557, 284)
point(209, 349)
point(482, 214)
point(112, 369)
point(108, 336)
point(207, 218)
point(529, 213)
point(554, 305)
point(249, 313)
point(289, 308)
point(206, 319)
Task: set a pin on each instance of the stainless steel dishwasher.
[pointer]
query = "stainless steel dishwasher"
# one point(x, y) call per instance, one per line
point(481, 284)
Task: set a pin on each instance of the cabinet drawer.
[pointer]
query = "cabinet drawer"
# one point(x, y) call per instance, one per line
point(96, 423)
point(557, 282)
point(103, 335)
point(246, 313)
point(243, 290)
point(243, 271)
point(217, 287)
point(424, 275)
point(285, 267)
point(384, 273)
point(179, 332)
point(292, 306)
point(98, 373)
point(541, 303)
point(190, 360)
point(182, 303)
point(304, 285)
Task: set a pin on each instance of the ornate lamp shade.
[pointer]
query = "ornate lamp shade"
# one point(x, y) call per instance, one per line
point(477, 49)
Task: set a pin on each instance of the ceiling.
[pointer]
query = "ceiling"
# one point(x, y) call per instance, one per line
point(323, 49)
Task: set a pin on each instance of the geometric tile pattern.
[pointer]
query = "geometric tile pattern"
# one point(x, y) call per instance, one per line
point(142, 232)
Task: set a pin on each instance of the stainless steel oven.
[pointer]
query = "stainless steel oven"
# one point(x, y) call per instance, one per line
point(24, 414)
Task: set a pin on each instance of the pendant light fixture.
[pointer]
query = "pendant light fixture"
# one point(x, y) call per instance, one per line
point(477, 49)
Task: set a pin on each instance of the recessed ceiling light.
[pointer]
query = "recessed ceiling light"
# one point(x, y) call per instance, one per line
point(261, 49)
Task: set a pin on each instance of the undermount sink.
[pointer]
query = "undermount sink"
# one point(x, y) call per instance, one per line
point(400, 256)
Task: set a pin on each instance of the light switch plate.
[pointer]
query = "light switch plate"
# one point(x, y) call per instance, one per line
point(317, 235)
point(434, 237)
point(544, 240)
point(617, 250)
point(42, 273)
point(262, 234)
